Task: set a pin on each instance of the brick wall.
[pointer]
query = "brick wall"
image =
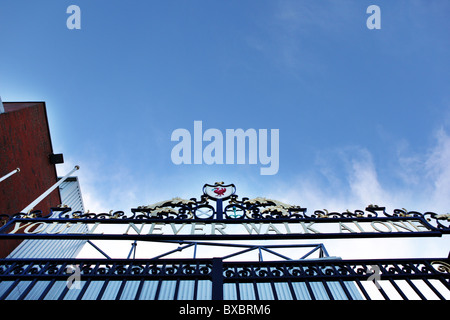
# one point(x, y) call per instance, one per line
point(25, 143)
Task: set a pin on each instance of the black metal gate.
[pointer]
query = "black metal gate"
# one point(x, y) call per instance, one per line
point(196, 279)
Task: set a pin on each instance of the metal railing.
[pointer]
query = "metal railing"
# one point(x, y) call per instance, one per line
point(215, 279)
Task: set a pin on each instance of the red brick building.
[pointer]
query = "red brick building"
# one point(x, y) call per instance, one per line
point(25, 143)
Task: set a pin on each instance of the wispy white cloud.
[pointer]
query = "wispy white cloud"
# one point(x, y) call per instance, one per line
point(101, 190)
point(346, 178)
point(93, 200)
point(359, 184)
point(437, 166)
point(351, 176)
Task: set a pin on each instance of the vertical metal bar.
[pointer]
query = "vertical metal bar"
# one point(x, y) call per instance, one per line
point(238, 291)
point(327, 289)
point(46, 290)
point(255, 289)
point(440, 277)
point(274, 290)
point(363, 290)
point(83, 290)
point(383, 293)
point(219, 209)
point(344, 287)
point(420, 294)
point(217, 279)
point(195, 289)
point(139, 290)
point(27, 289)
point(291, 289)
point(195, 250)
point(133, 249)
point(119, 292)
point(311, 292)
point(177, 287)
point(383, 271)
point(444, 282)
point(158, 289)
point(102, 290)
point(6, 176)
point(436, 292)
point(404, 297)
point(63, 293)
point(8, 291)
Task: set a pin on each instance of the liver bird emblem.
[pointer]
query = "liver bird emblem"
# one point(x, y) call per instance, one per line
point(220, 191)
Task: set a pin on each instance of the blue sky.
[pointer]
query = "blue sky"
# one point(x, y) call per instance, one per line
point(363, 114)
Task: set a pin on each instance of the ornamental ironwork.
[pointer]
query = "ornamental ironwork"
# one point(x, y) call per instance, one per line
point(219, 206)
point(337, 279)
point(220, 214)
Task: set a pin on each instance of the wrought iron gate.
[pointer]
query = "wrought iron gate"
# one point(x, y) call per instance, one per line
point(181, 221)
point(206, 279)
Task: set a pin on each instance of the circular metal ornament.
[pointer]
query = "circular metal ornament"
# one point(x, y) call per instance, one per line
point(204, 212)
point(234, 212)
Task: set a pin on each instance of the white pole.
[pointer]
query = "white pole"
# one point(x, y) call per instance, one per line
point(2, 108)
point(9, 174)
point(46, 193)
